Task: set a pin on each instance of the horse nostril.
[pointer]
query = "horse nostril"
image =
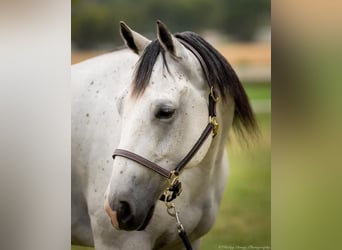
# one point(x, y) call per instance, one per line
point(124, 213)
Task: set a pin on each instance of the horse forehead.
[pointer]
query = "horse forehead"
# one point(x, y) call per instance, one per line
point(165, 83)
point(161, 93)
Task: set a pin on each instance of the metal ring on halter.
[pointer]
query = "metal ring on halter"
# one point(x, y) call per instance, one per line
point(212, 94)
point(171, 209)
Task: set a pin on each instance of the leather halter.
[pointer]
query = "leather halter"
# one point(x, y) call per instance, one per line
point(174, 187)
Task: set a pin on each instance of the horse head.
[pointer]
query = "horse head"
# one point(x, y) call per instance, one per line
point(163, 113)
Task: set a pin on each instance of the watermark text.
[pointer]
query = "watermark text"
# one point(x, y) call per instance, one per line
point(249, 247)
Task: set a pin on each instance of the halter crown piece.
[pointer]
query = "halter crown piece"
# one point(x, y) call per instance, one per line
point(174, 187)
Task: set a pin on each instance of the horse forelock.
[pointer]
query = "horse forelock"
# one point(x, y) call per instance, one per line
point(143, 71)
point(221, 74)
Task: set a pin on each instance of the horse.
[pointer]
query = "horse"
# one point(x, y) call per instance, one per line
point(152, 102)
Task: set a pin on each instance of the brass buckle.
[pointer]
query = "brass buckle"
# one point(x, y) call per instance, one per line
point(172, 182)
point(173, 178)
point(215, 99)
point(214, 122)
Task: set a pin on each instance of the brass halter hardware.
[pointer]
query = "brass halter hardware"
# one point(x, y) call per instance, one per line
point(214, 122)
point(212, 117)
point(212, 94)
point(173, 178)
point(169, 192)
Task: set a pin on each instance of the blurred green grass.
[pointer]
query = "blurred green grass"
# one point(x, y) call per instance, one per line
point(244, 217)
point(73, 247)
point(258, 91)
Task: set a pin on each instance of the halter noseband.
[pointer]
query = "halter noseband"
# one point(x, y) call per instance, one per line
point(174, 185)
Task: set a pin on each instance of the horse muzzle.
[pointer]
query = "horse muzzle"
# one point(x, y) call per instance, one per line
point(124, 215)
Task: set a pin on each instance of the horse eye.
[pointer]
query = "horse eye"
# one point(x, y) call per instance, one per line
point(165, 113)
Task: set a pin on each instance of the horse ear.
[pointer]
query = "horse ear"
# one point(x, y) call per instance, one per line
point(169, 42)
point(136, 42)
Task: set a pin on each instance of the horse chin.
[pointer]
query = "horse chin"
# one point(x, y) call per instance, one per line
point(147, 219)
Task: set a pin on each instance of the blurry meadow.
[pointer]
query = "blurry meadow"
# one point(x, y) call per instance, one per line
point(240, 30)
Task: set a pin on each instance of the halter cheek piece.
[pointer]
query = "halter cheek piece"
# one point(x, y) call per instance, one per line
point(174, 185)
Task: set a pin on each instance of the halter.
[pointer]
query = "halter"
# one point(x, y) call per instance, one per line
point(174, 187)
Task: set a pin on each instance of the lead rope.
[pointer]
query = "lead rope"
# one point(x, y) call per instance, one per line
point(172, 211)
point(169, 195)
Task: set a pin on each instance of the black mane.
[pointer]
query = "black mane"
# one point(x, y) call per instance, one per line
point(221, 74)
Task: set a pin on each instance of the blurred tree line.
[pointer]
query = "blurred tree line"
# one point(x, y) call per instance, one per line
point(96, 22)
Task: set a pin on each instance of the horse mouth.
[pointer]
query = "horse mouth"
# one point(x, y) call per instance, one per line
point(133, 224)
